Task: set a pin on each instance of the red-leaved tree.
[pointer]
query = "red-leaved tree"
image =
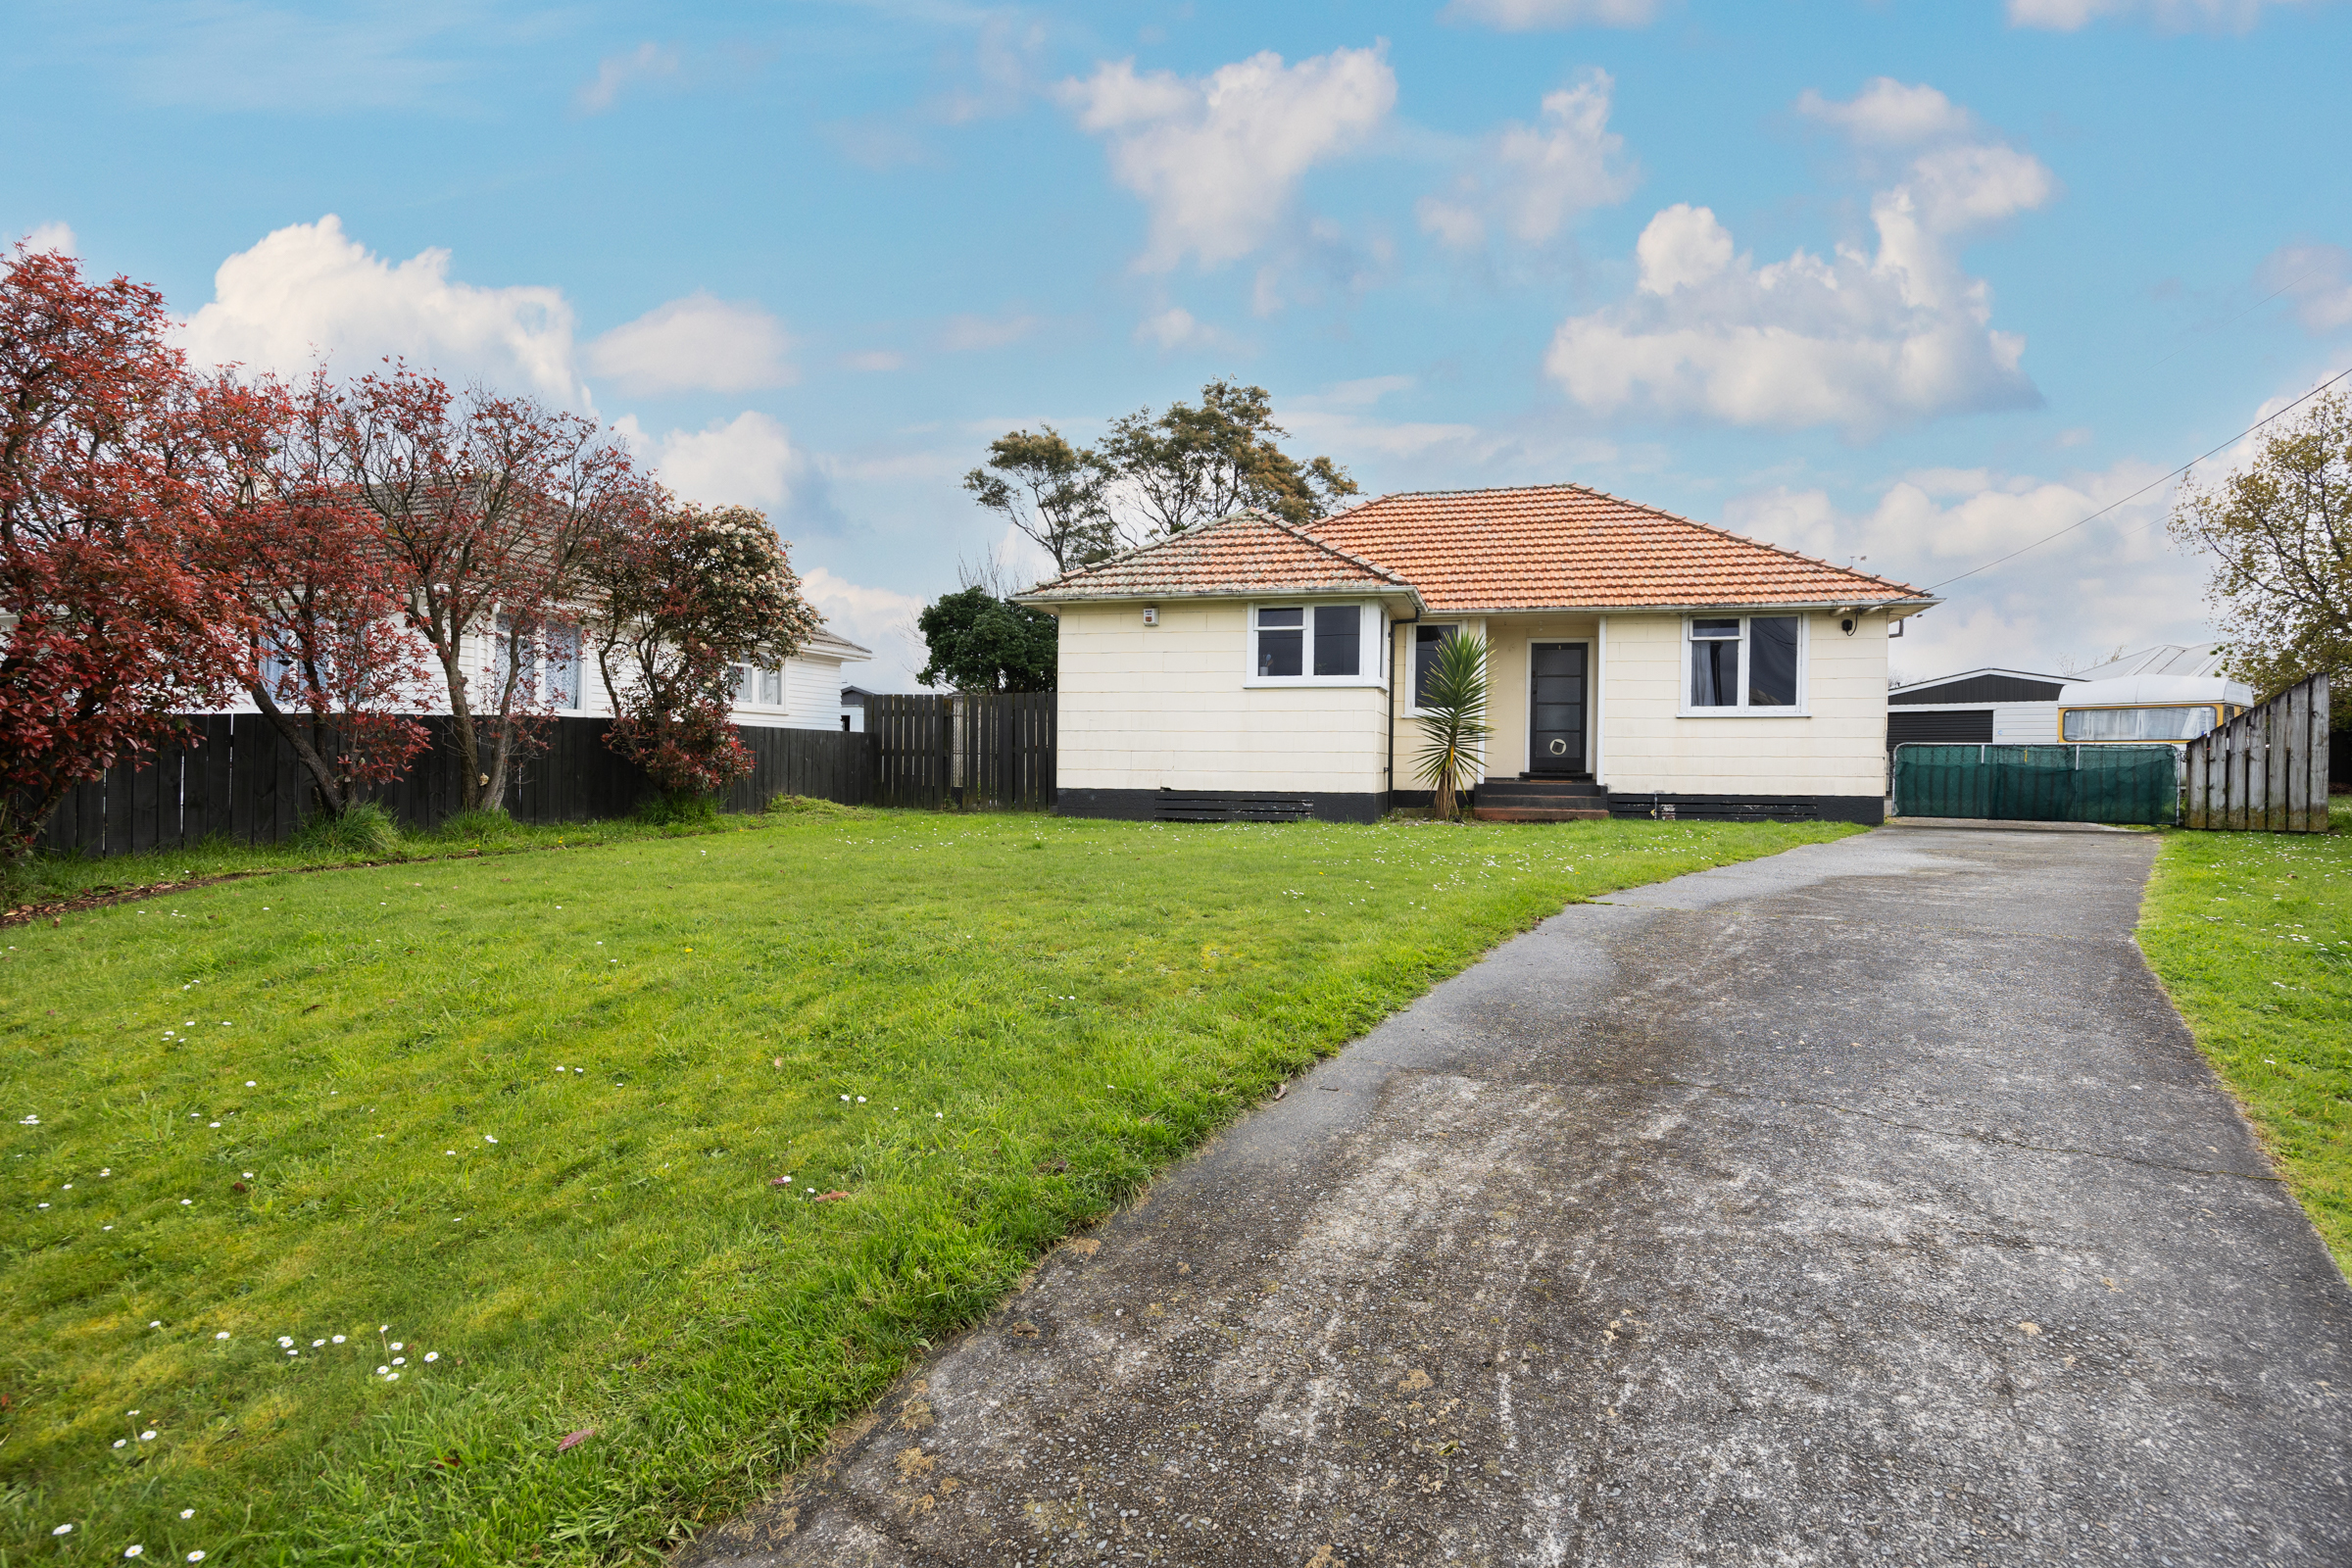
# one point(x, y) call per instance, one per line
point(682, 594)
point(487, 506)
point(113, 463)
point(334, 665)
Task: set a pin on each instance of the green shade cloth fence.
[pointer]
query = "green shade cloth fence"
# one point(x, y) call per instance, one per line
point(2039, 783)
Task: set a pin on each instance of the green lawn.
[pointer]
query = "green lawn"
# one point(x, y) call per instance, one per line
point(513, 1128)
point(52, 879)
point(2252, 935)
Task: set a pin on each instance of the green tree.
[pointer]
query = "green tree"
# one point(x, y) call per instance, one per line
point(1050, 490)
point(1192, 465)
point(2281, 535)
point(1453, 721)
point(981, 643)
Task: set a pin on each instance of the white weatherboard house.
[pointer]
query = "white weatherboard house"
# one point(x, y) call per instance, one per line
point(801, 692)
point(1636, 660)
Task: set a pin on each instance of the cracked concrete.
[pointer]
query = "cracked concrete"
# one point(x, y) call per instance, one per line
point(1868, 1204)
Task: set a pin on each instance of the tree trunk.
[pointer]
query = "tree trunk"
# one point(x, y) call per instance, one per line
point(331, 792)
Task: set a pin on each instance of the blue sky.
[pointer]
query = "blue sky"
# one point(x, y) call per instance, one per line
point(1913, 282)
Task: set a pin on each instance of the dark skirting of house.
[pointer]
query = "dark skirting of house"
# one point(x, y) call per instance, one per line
point(1868, 810)
point(1219, 805)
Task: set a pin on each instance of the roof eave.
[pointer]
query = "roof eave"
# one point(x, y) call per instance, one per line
point(1908, 607)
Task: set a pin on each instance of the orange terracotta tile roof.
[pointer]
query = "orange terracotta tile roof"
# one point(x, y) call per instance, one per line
point(1536, 546)
point(1244, 553)
point(1543, 547)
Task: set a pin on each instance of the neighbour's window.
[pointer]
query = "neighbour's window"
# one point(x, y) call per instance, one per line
point(1426, 640)
point(771, 687)
point(1308, 642)
point(2135, 723)
point(746, 681)
point(563, 666)
point(1281, 635)
point(552, 661)
point(276, 665)
point(1744, 662)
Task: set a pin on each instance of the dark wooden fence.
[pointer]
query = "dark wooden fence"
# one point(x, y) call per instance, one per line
point(2266, 770)
point(240, 781)
point(825, 764)
point(986, 750)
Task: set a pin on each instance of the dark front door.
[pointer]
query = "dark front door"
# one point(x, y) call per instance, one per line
point(1556, 706)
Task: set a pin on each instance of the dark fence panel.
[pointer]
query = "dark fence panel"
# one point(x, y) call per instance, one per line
point(990, 749)
point(238, 779)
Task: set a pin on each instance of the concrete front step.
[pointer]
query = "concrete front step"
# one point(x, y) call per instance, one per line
point(1540, 813)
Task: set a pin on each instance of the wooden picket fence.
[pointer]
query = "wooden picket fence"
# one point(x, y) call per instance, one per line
point(973, 750)
point(2264, 771)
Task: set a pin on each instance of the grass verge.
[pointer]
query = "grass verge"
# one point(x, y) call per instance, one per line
point(2251, 934)
point(338, 1202)
point(47, 884)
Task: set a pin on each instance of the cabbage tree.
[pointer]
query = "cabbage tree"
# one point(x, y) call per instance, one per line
point(1453, 722)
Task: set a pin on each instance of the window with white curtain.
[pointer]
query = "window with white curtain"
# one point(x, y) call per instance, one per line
point(555, 662)
point(771, 687)
point(2137, 724)
point(1744, 663)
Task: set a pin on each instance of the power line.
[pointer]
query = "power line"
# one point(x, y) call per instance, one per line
point(2150, 485)
point(2243, 315)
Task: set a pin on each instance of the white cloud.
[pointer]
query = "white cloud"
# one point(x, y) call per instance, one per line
point(2318, 276)
point(309, 289)
point(696, 344)
point(2113, 583)
point(1529, 16)
point(616, 74)
point(748, 461)
point(966, 334)
point(57, 237)
point(1534, 181)
point(1178, 328)
point(2169, 15)
point(1853, 340)
point(1887, 113)
point(1218, 159)
point(878, 619)
point(874, 360)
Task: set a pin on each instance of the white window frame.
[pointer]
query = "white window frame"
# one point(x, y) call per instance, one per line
point(1371, 628)
point(1801, 708)
point(754, 704)
point(1412, 659)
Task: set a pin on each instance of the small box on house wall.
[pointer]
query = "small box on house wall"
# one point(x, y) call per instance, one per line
point(1150, 614)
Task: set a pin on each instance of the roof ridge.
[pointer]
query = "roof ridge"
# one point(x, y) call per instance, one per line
point(1299, 533)
point(1655, 512)
point(1245, 515)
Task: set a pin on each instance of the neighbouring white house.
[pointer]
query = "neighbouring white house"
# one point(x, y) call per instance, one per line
point(1636, 661)
point(801, 692)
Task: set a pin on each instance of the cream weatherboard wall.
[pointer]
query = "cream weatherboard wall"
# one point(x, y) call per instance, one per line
point(1151, 708)
point(1839, 748)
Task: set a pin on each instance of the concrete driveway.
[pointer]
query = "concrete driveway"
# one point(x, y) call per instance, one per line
point(1864, 1204)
